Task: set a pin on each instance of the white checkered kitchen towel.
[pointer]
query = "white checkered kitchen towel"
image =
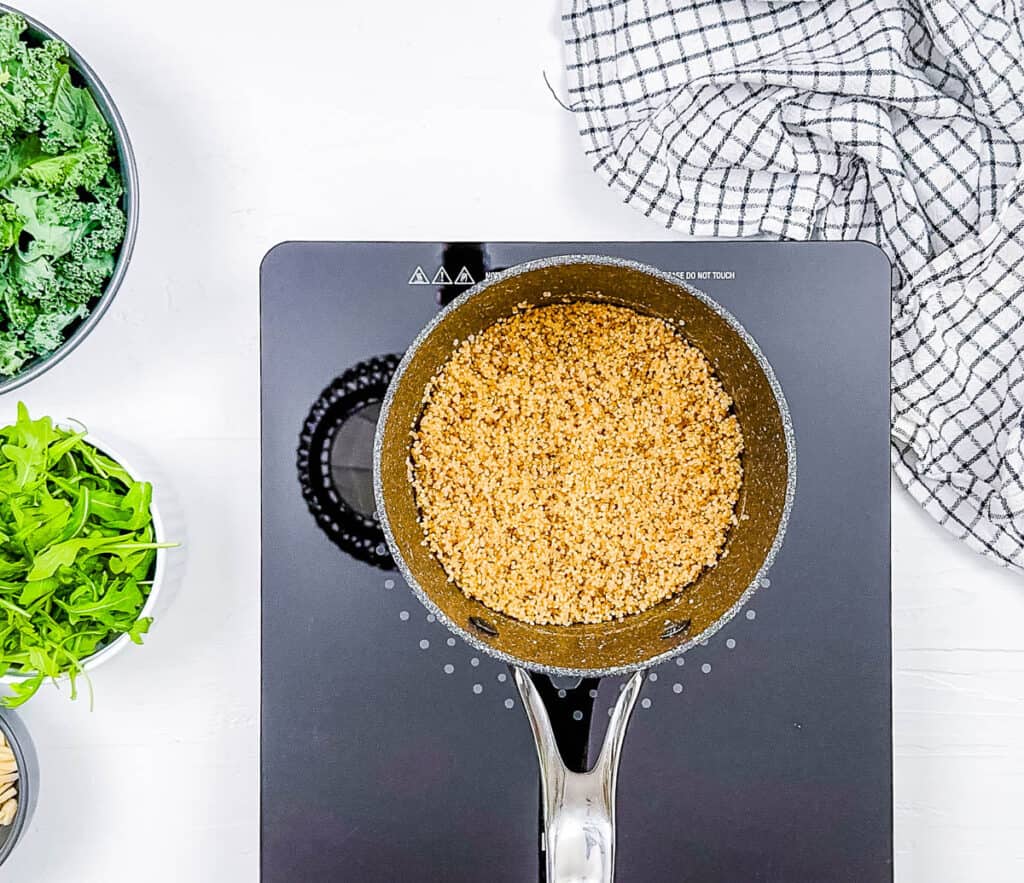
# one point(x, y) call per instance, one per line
point(895, 121)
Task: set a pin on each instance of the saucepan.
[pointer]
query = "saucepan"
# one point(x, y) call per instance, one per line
point(578, 799)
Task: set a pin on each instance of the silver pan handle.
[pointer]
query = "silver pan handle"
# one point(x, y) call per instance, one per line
point(579, 808)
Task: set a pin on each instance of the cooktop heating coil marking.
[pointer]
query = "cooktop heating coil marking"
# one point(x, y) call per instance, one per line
point(335, 459)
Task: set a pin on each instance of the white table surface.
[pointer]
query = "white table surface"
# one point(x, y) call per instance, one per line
point(255, 122)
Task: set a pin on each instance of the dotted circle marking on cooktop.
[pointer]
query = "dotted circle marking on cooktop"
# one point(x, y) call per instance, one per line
point(651, 687)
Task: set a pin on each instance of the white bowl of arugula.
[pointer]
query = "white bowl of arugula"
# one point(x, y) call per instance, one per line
point(68, 199)
point(82, 555)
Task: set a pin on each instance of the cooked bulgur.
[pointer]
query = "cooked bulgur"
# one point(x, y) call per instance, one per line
point(575, 463)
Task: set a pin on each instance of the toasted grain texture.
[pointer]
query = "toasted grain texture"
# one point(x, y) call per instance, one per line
point(576, 463)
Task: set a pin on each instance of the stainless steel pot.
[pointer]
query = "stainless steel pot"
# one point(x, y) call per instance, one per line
point(579, 804)
point(130, 179)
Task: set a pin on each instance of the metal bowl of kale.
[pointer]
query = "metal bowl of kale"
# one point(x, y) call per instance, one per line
point(68, 199)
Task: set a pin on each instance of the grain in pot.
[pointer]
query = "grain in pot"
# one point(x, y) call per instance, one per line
point(576, 462)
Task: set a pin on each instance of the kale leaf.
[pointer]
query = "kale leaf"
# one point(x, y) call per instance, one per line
point(61, 220)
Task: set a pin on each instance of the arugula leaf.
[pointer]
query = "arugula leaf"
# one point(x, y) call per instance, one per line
point(77, 552)
point(24, 690)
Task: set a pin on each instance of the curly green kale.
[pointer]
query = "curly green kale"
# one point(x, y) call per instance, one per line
point(61, 220)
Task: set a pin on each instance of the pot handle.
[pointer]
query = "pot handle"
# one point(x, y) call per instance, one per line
point(579, 808)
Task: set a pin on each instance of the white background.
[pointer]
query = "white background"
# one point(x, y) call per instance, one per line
point(255, 122)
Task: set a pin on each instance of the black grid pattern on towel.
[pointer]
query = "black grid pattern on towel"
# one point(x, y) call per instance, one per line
point(900, 122)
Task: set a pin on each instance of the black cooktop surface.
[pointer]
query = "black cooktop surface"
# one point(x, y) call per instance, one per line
point(393, 752)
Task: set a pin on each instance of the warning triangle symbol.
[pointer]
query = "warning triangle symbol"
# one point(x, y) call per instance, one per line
point(465, 277)
point(441, 277)
point(418, 277)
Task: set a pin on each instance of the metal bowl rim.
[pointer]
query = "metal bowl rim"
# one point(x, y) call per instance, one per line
point(561, 261)
point(130, 181)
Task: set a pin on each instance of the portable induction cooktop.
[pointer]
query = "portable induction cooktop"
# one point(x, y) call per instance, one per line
point(393, 751)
